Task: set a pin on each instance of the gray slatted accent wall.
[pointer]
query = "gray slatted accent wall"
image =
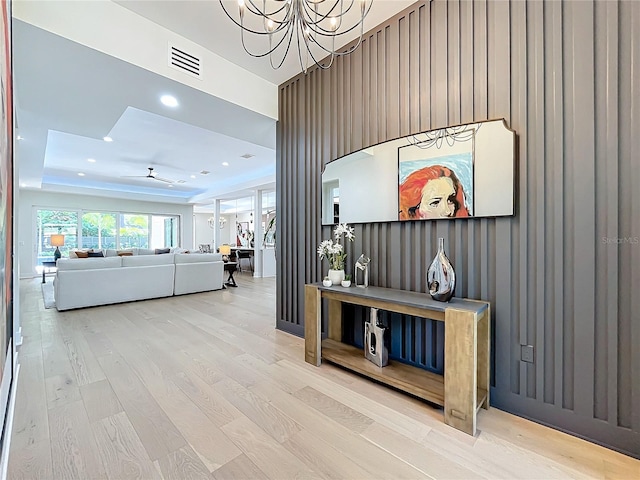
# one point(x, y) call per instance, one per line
point(562, 275)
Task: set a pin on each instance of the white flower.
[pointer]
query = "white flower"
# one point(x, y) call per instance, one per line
point(343, 229)
point(333, 250)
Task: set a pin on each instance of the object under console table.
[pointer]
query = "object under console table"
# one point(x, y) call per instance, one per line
point(463, 389)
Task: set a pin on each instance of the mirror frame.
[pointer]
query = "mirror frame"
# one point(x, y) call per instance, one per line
point(506, 171)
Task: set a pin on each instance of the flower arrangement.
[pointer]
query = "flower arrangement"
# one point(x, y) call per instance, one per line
point(333, 250)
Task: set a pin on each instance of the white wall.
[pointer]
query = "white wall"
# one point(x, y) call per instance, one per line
point(33, 198)
point(203, 232)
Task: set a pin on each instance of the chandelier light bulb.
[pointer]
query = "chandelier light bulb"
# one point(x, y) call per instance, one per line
point(315, 28)
point(270, 26)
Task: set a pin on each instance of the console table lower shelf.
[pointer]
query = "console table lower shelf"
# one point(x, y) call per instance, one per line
point(464, 388)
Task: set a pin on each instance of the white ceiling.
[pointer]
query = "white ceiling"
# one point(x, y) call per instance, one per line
point(205, 23)
point(69, 96)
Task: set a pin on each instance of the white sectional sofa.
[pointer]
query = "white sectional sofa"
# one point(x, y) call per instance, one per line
point(86, 282)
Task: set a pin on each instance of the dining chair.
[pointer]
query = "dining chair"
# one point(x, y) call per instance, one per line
point(244, 255)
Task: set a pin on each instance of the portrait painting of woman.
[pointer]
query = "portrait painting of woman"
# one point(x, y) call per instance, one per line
point(432, 192)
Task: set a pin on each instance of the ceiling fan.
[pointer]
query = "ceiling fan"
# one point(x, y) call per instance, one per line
point(152, 174)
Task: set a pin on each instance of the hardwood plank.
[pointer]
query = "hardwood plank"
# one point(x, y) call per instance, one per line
point(32, 461)
point(83, 362)
point(375, 461)
point(121, 450)
point(61, 389)
point(323, 458)
point(217, 408)
point(260, 411)
point(240, 468)
point(273, 373)
point(30, 421)
point(381, 414)
point(204, 437)
point(183, 464)
point(100, 401)
point(74, 452)
point(159, 435)
point(350, 418)
point(265, 452)
point(419, 455)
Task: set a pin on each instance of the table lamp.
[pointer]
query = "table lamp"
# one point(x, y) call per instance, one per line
point(225, 250)
point(57, 240)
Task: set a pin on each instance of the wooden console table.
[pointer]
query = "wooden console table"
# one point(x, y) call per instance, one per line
point(463, 389)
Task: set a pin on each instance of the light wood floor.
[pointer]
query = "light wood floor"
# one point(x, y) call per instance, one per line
point(203, 386)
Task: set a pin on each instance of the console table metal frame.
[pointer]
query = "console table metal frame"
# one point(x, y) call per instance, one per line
point(463, 389)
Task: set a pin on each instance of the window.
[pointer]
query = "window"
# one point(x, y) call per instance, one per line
point(134, 230)
point(99, 230)
point(50, 222)
point(102, 230)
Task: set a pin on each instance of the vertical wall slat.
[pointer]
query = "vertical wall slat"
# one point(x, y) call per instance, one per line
point(555, 153)
point(537, 322)
point(606, 57)
point(611, 159)
point(582, 54)
point(634, 228)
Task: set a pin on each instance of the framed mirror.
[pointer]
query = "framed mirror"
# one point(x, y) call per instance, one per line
point(454, 172)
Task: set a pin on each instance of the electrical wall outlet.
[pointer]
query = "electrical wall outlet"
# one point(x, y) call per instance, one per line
point(526, 353)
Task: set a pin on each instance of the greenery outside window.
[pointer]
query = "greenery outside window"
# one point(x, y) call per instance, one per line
point(50, 222)
point(134, 231)
point(99, 230)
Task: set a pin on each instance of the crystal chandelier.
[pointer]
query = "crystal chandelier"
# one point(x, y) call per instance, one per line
point(315, 24)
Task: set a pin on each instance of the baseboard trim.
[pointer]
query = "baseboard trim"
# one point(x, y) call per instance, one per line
point(289, 327)
point(8, 426)
point(600, 432)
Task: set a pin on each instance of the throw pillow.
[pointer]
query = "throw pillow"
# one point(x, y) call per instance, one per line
point(95, 254)
point(125, 253)
point(81, 254)
point(160, 251)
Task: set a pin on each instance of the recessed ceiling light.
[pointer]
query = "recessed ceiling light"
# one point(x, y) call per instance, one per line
point(19, 137)
point(193, 176)
point(225, 164)
point(169, 101)
point(81, 174)
point(23, 185)
point(91, 160)
point(170, 186)
point(107, 139)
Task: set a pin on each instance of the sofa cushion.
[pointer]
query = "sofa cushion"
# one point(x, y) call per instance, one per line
point(198, 257)
point(145, 260)
point(89, 263)
point(97, 254)
point(80, 254)
point(144, 251)
point(125, 253)
point(161, 251)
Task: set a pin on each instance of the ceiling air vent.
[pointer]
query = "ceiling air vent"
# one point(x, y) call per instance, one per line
point(247, 155)
point(183, 61)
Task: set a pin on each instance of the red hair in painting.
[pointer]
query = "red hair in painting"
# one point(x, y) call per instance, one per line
point(410, 191)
